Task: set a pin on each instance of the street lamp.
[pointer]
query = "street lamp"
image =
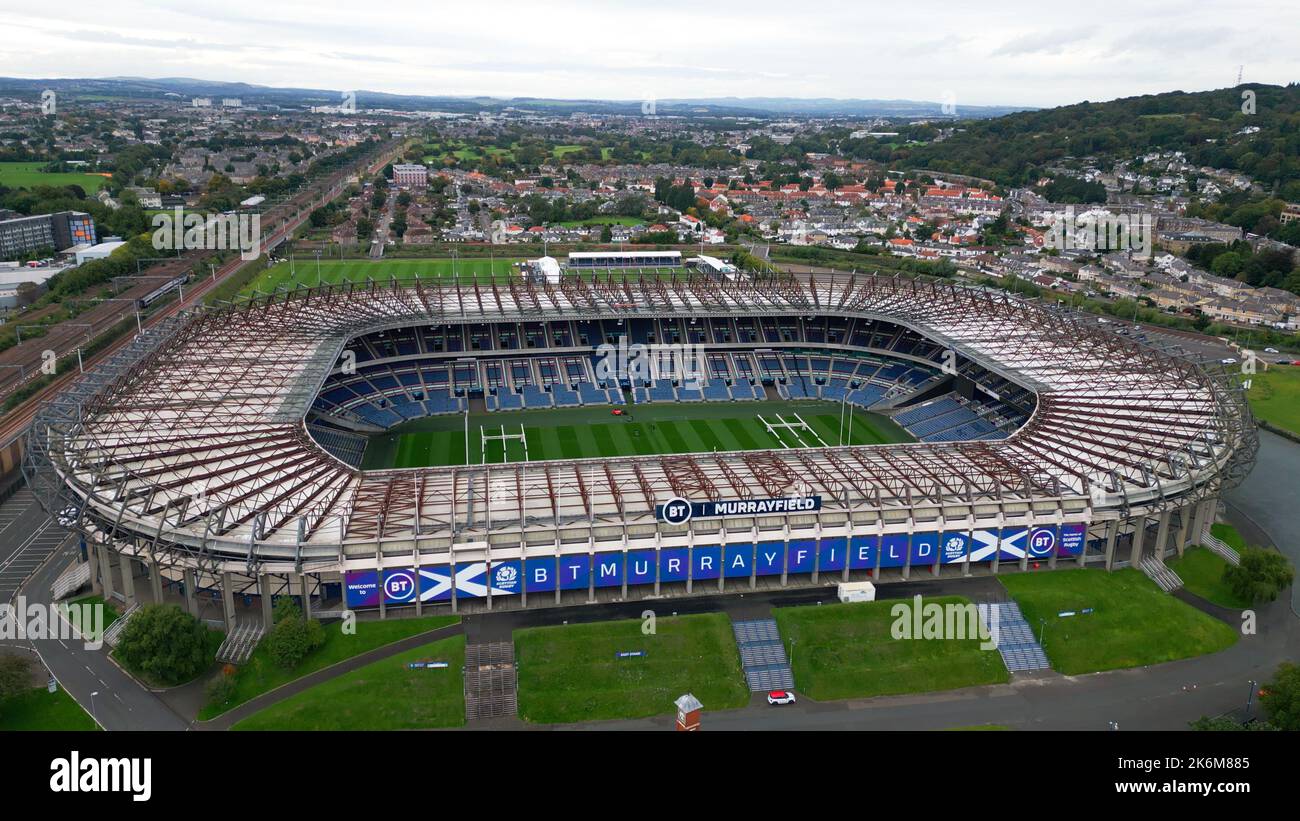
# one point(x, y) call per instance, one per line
point(1250, 696)
point(93, 715)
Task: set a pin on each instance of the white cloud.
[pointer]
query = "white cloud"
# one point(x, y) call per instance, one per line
point(1019, 52)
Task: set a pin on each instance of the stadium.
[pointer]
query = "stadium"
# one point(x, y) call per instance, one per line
point(461, 445)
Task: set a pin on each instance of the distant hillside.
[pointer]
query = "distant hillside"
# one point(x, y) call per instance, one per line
point(184, 88)
point(1206, 126)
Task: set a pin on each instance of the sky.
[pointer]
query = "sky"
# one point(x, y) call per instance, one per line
point(1001, 53)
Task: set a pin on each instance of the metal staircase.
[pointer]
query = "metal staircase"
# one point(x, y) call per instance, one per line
point(241, 642)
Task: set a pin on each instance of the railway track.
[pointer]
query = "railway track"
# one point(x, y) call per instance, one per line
point(66, 337)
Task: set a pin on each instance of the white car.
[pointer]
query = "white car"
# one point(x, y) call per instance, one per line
point(780, 697)
point(1270, 350)
point(1228, 361)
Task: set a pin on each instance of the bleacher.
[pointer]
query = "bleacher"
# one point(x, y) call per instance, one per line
point(716, 391)
point(565, 397)
point(532, 396)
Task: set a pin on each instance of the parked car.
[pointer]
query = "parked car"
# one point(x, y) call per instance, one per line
point(780, 697)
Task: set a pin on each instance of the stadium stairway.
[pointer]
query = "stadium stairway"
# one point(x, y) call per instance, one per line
point(762, 655)
point(71, 580)
point(490, 680)
point(114, 631)
point(1020, 651)
point(241, 642)
point(1212, 543)
point(1160, 573)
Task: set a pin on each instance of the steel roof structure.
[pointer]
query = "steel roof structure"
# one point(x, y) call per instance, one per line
point(193, 439)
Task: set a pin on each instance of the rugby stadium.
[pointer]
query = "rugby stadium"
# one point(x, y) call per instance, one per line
point(420, 444)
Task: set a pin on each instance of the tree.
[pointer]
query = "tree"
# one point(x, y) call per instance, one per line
point(1281, 697)
point(165, 643)
point(1225, 724)
point(293, 636)
point(1261, 575)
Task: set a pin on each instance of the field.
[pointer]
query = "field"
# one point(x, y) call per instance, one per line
point(385, 695)
point(260, 674)
point(357, 270)
point(572, 672)
point(1275, 396)
point(1133, 622)
point(1202, 573)
point(847, 651)
point(42, 710)
point(29, 175)
point(589, 432)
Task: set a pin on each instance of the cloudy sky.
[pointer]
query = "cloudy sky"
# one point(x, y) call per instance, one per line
point(1006, 52)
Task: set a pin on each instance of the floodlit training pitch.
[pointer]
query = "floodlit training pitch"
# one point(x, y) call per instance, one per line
point(642, 430)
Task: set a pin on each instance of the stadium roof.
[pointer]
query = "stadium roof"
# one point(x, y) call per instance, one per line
point(198, 435)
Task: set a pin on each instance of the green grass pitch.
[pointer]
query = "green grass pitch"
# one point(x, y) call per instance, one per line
point(590, 432)
point(303, 270)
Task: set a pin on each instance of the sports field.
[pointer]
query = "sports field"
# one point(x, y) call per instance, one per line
point(643, 430)
point(30, 175)
point(1275, 396)
point(303, 270)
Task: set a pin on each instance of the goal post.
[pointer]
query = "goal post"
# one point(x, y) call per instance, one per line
point(797, 428)
point(505, 439)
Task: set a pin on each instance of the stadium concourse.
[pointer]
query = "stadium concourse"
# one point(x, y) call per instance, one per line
point(221, 450)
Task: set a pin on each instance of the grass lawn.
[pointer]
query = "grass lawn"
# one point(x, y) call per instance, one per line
point(1275, 396)
point(1202, 573)
point(1133, 622)
point(1228, 534)
point(357, 270)
point(30, 175)
point(385, 695)
point(575, 433)
point(847, 651)
point(111, 613)
point(260, 674)
point(571, 672)
point(39, 709)
point(604, 219)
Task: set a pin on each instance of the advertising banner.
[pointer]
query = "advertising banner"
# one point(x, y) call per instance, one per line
point(862, 552)
point(739, 560)
point(771, 558)
point(799, 556)
point(641, 567)
point(706, 561)
point(832, 554)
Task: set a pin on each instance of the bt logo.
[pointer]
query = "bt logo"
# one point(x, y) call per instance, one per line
point(677, 511)
point(399, 586)
point(1041, 542)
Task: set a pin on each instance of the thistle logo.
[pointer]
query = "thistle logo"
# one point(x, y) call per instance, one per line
point(128, 775)
point(506, 577)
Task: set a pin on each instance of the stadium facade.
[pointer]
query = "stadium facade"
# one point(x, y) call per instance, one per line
point(216, 455)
